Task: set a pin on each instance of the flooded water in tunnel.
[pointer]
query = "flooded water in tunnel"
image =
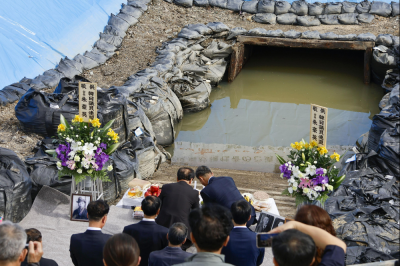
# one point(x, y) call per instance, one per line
point(267, 107)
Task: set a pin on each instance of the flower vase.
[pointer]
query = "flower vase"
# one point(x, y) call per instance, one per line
point(88, 186)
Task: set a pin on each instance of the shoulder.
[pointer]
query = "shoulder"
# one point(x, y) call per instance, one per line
point(47, 262)
point(161, 229)
point(130, 227)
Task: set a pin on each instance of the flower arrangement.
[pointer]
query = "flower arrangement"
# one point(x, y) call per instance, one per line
point(86, 148)
point(310, 172)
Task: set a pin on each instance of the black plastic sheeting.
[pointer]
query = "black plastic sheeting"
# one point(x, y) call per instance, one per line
point(15, 187)
point(39, 112)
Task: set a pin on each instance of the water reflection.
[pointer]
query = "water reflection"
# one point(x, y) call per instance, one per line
point(268, 103)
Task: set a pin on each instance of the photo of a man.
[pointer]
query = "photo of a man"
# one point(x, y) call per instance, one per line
point(79, 204)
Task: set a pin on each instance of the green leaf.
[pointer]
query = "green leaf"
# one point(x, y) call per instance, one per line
point(112, 148)
point(337, 183)
point(64, 121)
point(280, 159)
point(286, 192)
point(52, 152)
point(108, 125)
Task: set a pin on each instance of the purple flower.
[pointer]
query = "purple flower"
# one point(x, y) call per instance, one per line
point(100, 159)
point(103, 146)
point(98, 151)
point(285, 171)
point(319, 171)
point(319, 180)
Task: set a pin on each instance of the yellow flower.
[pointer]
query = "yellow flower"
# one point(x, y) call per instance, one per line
point(296, 145)
point(95, 122)
point(77, 119)
point(61, 127)
point(313, 144)
point(306, 145)
point(322, 150)
point(335, 156)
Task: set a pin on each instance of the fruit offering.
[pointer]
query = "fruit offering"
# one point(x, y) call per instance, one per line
point(154, 190)
point(135, 192)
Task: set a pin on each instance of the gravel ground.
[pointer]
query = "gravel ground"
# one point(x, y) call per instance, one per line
point(162, 22)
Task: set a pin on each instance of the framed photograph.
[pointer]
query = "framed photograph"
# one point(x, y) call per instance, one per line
point(278, 222)
point(265, 222)
point(79, 203)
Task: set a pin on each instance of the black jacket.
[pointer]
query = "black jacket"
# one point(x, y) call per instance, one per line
point(168, 256)
point(223, 191)
point(149, 236)
point(42, 262)
point(178, 199)
point(87, 248)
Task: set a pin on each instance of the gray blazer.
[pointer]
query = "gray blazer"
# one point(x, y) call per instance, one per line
point(205, 258)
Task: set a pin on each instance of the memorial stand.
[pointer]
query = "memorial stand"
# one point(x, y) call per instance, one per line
point(88, 186)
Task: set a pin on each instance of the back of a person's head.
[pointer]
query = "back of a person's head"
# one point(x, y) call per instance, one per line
point(202, 171)
point(210, 226)
point(33, 234)
point(151, 205)
point(121, 250)
point(293, 248)
point(241, 211)
point(315, 216)
point(177, 233)
point(97, 210)
point(12, 241)
point(185, 173)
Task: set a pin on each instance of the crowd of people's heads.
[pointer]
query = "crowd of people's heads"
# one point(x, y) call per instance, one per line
point(151, 206)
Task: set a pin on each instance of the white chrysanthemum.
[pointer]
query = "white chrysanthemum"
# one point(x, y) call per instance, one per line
point(290, 190)
point(295, 184)
point(294, 188)
point(58, 164)
point(296, 171)
point(89, 148)
point(79, 171)
point(75, 146)
point(77, 158)
point(71, 155)
point(318, 188)
point(109, 168)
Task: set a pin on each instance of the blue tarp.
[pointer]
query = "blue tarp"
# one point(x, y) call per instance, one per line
point(35, 35)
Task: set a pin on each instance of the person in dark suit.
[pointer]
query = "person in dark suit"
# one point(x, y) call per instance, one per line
point(221, 190)
point(87, 248)
point(241, 249)
point(149, 235)
point(178, 199)
point(172, 254)
point(80, 213)
point(33, 234)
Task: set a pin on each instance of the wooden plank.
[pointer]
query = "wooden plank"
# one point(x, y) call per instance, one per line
point(380, 263)
point(305, 43)
point(367, 65)
point(236, 63)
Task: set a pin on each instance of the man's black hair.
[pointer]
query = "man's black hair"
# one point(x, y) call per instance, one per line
point(97, 209)
point(210, 225)
point(185, 173)
point(241, 211)
point(177, 233)
point(150, 205)
point(202, 170)
point(293, 248)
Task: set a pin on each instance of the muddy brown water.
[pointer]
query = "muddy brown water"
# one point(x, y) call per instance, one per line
point(268, 106)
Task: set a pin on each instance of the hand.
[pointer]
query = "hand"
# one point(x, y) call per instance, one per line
point(284, 227)
point(35, 251)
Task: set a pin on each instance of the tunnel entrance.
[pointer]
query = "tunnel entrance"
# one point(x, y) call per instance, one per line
point(242, 50)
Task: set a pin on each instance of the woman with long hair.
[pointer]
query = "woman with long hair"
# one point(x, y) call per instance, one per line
point(315, 216)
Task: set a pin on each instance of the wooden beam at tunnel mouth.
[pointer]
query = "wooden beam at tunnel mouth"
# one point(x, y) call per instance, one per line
point(238, 55)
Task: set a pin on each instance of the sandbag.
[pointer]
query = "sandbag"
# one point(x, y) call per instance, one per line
point(15, 187)
point(282, 7)
point(218, 3)
point(348, 18)
point(292, 34)
point(287, 19)
point(131, 11)
point(192, 91)
point(13, 93)
point(86, 62)
point(396, 41)
point(274, 33)
point(329, 19)
point(395, 95)
point(389, 145)
point(384, 39)
point(299, 8)
point(257, 32)
point(233, 33)
point(381, 8)
point(185, 3)
point(217, 50)
point(363, 7)
point(315, 9)
point(383, 59)
point(391, 80)
point(200, 28)
point(118, 23)
point(365, 18)
point(347, 37)
point(308, 21)
point(142, 5)
point(266, 6)
point(39, 112)
point(105, 47)
point(234, 5)
point(328, 36)
point(250, 6)
point(266, 18)
point(128, 18)
point(201, 2)
point(137, 118)
point(395, 9)
point(189, 34)
point(96, 56)
point(218, 27)
point(386, 119)
point(385, 101)
point(310, 35)
point(69, 68)
point(349, 7)
point(366, 37)
point(333, 8)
